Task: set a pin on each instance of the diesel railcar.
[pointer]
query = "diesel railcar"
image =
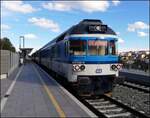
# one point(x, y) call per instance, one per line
point(86, 55)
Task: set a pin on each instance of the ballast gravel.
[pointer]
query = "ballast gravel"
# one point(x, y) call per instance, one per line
point(133, 98)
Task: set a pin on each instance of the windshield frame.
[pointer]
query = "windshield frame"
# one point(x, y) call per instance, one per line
point(86, 39)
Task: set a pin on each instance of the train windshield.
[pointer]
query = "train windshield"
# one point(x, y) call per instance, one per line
point(99, 47)
point(77, 47)
point(92, 47)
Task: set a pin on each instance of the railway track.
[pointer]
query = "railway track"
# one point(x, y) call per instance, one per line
point(108, 107)
point(138, 87)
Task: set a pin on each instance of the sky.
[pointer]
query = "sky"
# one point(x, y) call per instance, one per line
point(41, 21)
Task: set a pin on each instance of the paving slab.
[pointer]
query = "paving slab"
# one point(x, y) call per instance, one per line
point(29, 98)
point(5, 83)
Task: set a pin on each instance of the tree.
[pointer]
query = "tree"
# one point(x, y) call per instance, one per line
point(7, 45)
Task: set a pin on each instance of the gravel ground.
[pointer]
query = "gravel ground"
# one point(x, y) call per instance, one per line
point(139, 100)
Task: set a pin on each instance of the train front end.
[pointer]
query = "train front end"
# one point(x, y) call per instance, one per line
point(94, 62)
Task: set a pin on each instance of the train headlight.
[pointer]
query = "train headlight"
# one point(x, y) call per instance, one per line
point(77, 68)
point(82, 67)
point(119, 66)
point(114, 67)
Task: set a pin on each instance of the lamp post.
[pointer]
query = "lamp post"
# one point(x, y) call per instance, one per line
point(22, 54)
point(21, 37)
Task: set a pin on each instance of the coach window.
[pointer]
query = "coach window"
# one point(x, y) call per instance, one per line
point(77, 47)
point(52, 51)
point(57, 51)
point(66, 48)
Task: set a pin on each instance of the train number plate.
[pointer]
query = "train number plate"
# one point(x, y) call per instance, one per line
point(98, 70)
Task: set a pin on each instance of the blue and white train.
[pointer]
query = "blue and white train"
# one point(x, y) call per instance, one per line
point(86, 55)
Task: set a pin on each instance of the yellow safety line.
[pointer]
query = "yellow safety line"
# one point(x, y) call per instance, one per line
point(50, 95)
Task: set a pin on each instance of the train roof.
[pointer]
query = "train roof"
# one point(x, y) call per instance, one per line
point(86, 26)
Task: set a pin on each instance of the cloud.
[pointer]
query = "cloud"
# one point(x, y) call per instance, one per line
point(5, 27)
point(58, 6)
point(45, 23)
point(139, 25)
point(30, 36)
point(115, 2)
point(125, 49)
point(18, 6)
point(4, 13)
point(142, 34)
point(118, 33)
point(86, 6)
point(120, 40)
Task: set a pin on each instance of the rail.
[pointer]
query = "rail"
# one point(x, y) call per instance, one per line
point(108, 107)
point(138, 87)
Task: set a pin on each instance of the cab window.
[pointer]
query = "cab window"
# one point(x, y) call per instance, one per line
point(77, 47)
point(111, 48)
point(97, 47)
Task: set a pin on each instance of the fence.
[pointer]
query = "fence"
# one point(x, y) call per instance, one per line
point(8, 63)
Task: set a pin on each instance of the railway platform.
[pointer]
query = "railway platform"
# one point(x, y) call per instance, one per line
point(136, 76)
point(31, 92)
point(137, 72)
